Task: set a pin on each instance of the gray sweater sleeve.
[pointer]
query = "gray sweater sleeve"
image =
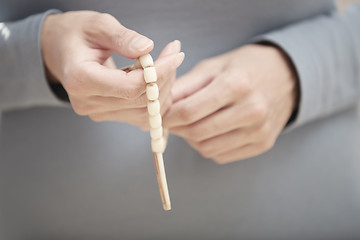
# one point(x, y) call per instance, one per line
point(22, 77)
point(326, 54)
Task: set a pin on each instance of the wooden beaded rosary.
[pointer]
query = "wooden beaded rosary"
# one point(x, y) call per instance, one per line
point(157, 133)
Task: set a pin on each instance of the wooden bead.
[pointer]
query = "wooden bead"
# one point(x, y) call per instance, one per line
point(157, 145)
point(152, 91)
point(150, 74)
point(156, 133)
point(146, 61)
point(153, 107)
point(155, 121)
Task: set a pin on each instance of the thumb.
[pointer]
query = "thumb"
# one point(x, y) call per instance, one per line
point(109, 33)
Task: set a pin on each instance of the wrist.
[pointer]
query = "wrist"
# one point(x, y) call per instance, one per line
point(289, 73)
point(47, 36)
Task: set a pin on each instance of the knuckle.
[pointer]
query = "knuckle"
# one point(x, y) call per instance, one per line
point(121, 34)
point(98, 25)
point(260, 111)
point(205, 149)
point(206, 153)
point(243, 85)
point(267, 144)
point(237, 84)
point(265, 131)
point(96, 22)
point(96, 118)
point(80, 109)
point(101, 19)
point(219, 160)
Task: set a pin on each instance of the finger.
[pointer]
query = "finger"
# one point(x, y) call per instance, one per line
point(165, 95)
point(98, 104)
point(223, 121)
point(189, 84)
point(110, 63)
point(240, 115)
point(93, 79)
point(225, 142)
point(204, 102)
point(166, 106)
point(133, 116)
point(136, 116)
point(103, 104)
point(165, 68)
point(170, 48)
point(193, 81)
point(106, 31)
point(241, 153)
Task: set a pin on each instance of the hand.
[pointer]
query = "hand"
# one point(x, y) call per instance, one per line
point(77, 49)
point(234, 106)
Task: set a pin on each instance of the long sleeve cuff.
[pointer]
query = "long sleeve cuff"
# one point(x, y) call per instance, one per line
point(326, 54)
point(23, 82)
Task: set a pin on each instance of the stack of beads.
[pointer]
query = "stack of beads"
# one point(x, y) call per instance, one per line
point(155, 122)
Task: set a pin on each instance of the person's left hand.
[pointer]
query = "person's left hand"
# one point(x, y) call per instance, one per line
point(235, 105)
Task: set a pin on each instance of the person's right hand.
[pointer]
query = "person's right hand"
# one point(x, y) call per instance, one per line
point(77, 49)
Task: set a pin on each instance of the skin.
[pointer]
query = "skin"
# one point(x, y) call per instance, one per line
point(79, 56)
point(228, 108)
point(234, 106)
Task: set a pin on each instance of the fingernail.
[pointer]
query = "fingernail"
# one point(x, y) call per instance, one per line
point(176, 46)
point(179, 59)
point(141, 43)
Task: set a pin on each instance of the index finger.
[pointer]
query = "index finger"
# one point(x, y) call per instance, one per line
point(199, 105)
point(99, 80)
point(95, 79)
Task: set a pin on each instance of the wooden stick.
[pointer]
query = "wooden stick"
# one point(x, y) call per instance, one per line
point(150, 77)
point(161, 178)
point(136, 65)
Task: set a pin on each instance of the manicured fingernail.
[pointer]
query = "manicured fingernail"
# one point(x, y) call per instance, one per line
point(141, 43)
